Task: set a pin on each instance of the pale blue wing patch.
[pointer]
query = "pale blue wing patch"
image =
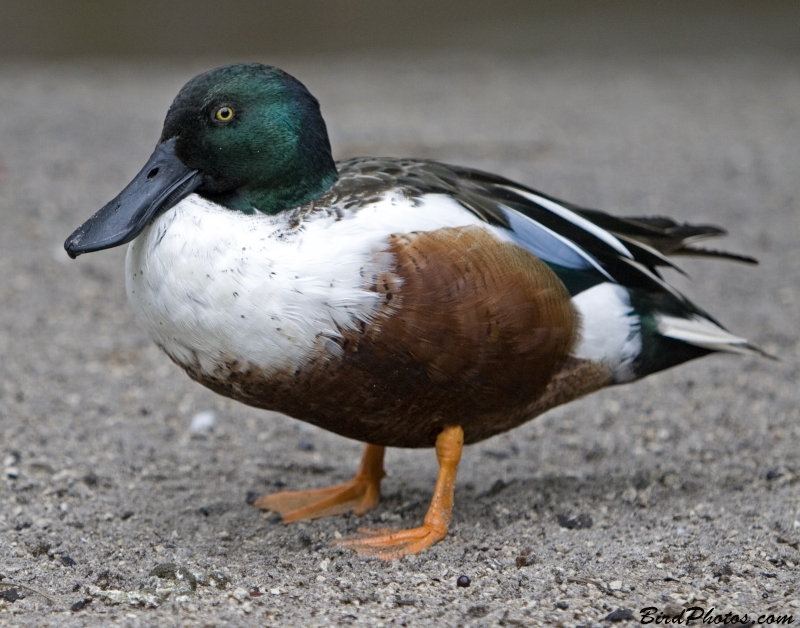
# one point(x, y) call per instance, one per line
point(549, 246)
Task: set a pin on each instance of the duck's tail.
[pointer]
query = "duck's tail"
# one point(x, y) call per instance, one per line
point(664, 235)
point(705, 333)
point(657, 328)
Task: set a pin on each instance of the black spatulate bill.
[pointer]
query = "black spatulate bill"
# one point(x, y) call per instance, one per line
point(162, 183)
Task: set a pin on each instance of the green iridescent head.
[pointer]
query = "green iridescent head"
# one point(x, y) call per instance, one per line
point(247, 136)
point(257, 136)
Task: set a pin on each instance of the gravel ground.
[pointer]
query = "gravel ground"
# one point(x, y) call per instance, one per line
point(678, 491)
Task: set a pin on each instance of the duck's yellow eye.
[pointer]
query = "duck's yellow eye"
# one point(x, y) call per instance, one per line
point(224, 114)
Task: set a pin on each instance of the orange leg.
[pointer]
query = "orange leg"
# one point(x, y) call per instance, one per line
point(359, 494)
point(396, 544)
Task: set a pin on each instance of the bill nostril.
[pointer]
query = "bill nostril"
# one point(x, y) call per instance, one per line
point(152, 173)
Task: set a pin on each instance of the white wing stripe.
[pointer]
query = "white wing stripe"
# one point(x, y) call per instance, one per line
point(655, 253)
point(578, 221)
point(646, 271)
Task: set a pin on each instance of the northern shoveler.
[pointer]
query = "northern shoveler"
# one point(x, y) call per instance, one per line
point(398, 302)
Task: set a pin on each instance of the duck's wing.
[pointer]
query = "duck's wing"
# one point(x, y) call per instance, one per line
point(663, 327)
point(633, 320)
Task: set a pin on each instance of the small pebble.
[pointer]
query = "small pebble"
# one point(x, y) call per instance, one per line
point(67, 561)
point(251, 497)
point(463, 581)
point(562, 605)
point(203, 422)
point(581, 522)
point(11, 595)
point(621, 614)
point(525, 560)
point(81, 604)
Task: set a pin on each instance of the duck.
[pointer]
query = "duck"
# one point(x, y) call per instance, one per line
point(398, 302)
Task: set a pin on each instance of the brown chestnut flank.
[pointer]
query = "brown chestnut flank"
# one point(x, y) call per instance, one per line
point(471, 331)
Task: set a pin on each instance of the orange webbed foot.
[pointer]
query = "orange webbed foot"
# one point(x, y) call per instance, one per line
point(359, 494)
point(356, 495)
point(389, 545)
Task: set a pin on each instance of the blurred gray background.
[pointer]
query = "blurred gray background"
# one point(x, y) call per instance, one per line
point(686, 108)
point(152, 28)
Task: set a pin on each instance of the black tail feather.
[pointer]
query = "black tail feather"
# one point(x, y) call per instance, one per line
point(663, 234)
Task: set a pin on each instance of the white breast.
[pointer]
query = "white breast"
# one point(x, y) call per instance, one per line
point(208, 283)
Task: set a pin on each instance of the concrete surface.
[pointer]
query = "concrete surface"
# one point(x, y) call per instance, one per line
point(689, 478)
